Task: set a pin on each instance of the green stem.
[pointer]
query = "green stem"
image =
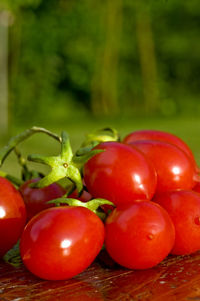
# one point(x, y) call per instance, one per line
point(26, 174)
point(66, 150)
point(98, 136)
point(12, 179)
point(102, 135)
point(92, 205)
point(14, 141)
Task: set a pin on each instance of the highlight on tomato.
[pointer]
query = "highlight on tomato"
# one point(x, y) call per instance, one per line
point(139, 236)
point(12, 215)
point(120, 174)
point(183, 206)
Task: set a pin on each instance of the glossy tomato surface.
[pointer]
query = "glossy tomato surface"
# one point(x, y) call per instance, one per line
point(120, 174)
point(36, 198)
point(139, 236)
point(173, 167)
point(60, 242)
point(12, 215)
point(161, 136)
point(184, 210)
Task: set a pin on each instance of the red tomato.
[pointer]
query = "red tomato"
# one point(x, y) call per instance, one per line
point(60, 242)
point(161, 136)
point(120, 174)
point(107, 208)
point(12, 215)
point(84, 197)
point(36, 198)
point(184, 209)
point(197, 187)
point(139, 236)
point(174, 168)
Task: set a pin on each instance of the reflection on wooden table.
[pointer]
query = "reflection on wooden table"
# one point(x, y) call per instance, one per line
point(176, 278)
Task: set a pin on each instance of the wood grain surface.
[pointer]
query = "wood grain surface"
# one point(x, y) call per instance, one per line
point(176, 278)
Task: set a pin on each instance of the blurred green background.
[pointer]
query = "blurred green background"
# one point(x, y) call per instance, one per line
point(85, 64)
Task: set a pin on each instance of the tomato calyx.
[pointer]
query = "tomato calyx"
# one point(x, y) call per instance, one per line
point(65, 165)
point(13, 257)
point(94, 205)
point(12, 146)
point(96, 137)
point(102, 135)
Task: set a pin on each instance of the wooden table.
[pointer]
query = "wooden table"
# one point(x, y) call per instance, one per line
point(176, 278)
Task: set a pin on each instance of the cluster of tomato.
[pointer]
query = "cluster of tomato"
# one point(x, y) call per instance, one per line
point(152, 181)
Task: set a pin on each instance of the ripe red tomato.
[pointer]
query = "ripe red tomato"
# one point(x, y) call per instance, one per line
point(139, 236)
point(84, 197)
point(184, 209)
point(197, 187)
point(174, 168)
point(60, 242)
point(161, 136)
point(12, 215)
point(120, 174)
point(36, 198)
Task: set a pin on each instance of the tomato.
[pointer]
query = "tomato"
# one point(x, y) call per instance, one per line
point(107, 208)
point(12, 215)
point(36, 198)
point(183, 207)
point(60, 242)
point(174, 168)
point(120, 174)
point(197, 187)
point(84, 197)
point(161, 136)
point(139, 236)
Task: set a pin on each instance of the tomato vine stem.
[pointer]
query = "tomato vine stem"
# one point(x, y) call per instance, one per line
point(14, 141)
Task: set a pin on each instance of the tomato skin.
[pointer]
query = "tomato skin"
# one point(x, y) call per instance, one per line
point(197, 187)
point(183, 207)
point(84, 197)
point(139, 236)
point(36, 199)
point(60, 242)
point(161, 136)
point(12, 215)
point(120, 174)
point(174, 168)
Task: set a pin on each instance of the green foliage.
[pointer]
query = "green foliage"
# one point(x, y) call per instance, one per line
point(77, 57)
point(14, 5)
